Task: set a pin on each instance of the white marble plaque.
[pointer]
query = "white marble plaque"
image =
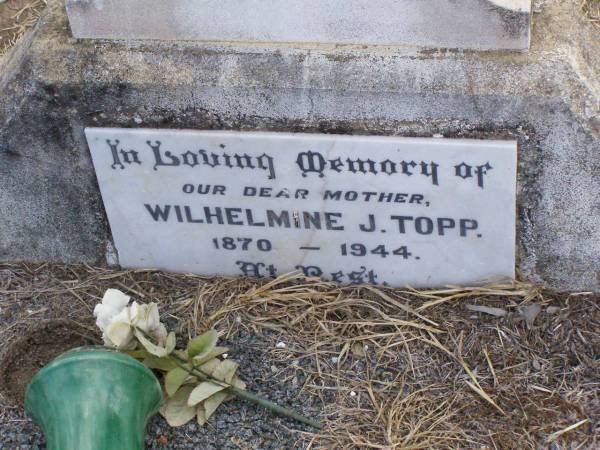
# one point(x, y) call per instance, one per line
point(352, 209)
point(473, 24)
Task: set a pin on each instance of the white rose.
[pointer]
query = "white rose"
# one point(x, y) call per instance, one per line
point(118, 321)
point(146, 318)
point(113, 302)
point(119, 332)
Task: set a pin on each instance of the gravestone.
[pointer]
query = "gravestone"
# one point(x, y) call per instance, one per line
point(481, 24)
point(368, 79)
point(377, 210)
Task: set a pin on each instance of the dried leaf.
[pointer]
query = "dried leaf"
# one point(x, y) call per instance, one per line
point(170, 343)
point(202, 392)
point(498, 312)
point(174, 379)
point(225, 371)
point(358, 350)
point(217, 351)
point(238, 383)
point(212, 403)
point(182, 354)
point(154, 349)
point(176, 410)
point(164, 364)
point(138, 354)
point(203, 344)
point(200, 415)
point(209, 366)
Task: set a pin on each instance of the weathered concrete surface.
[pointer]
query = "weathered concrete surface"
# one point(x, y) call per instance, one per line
point(473, 24)
point(52, 86)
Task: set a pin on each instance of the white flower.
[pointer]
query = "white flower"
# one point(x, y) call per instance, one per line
point(118, 321)
point(146, 318)
point(119, 332)
point(113, 302)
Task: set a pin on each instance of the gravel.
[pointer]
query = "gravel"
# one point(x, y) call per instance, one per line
point(236, 425)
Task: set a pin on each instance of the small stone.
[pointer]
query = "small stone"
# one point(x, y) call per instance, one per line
point(352, 394)
point(281, 345)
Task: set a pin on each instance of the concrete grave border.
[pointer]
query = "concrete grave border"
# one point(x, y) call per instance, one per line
point(52, 86)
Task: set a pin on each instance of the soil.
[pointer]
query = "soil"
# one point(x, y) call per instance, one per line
point(25, 356)
point(357, 359)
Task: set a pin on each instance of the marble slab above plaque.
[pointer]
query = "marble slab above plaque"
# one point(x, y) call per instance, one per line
point(352, 209)
point(472, 24)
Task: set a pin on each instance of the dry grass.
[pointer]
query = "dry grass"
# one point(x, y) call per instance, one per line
point(591, 9)
point(16, 17)
point(395, 369)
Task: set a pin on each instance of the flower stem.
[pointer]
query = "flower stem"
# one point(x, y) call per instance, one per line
point(245, 395)
point(240, 393)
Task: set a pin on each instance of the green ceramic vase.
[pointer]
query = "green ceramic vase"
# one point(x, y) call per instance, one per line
point(93, 399)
